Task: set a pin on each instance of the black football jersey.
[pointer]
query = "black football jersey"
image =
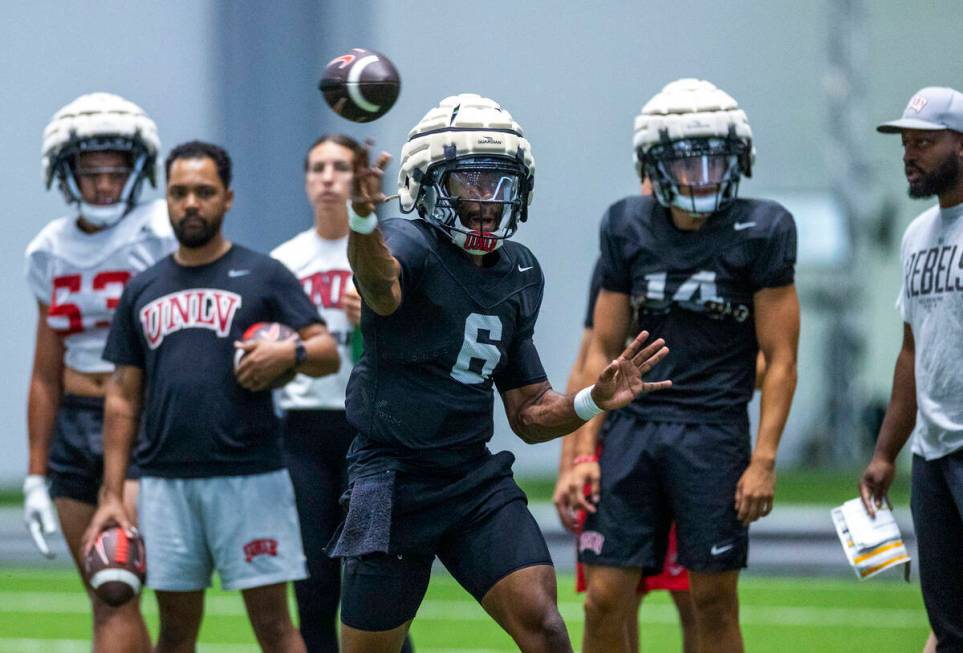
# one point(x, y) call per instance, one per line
point(695, 289)
point(423, 387)
point(594, 286)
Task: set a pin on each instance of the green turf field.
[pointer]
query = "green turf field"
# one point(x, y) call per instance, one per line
point(793, 486)
point(44, 611)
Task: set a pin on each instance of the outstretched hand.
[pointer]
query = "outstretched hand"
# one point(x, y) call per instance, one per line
point(367, 183)
point(622, 381)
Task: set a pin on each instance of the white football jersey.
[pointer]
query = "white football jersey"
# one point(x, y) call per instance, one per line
point(80, 276)
point(322, 267)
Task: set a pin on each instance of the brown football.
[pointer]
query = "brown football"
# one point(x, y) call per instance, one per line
point(360, 85)
point(117, 566)
point(274, 332)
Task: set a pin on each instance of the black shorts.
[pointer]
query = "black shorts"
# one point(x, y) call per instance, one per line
point(937, 503)
point(654, 473)
point(76, 461)
point(478, 525)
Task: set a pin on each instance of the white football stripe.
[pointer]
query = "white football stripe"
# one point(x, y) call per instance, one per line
point(354, 79)
point(111, 575)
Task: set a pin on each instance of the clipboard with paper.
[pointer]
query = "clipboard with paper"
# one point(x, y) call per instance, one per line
point(871, 545)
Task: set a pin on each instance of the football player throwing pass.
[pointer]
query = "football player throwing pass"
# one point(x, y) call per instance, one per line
point(450, 304)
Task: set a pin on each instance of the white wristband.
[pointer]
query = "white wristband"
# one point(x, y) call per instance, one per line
point(361, 225)
point(585, 406)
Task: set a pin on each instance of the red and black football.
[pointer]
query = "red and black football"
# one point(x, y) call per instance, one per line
point(360, 85)
point(116, 566)
point(272, 332)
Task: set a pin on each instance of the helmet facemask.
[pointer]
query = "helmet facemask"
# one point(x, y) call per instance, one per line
point(694, 143)
point(696, 175)
point(477, 201)
point(469, 171)
point(65, 168)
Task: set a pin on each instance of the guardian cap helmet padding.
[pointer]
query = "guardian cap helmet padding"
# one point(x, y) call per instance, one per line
point(693, 135)
point(469, 171)
point(94, 123)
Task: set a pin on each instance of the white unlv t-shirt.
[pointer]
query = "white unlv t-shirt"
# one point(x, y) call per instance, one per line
point(931, 302)
point(322, 267)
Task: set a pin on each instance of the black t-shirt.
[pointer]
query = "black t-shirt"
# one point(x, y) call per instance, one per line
point(179, 325)
point(594, 287)
point(695, 289)
point(422, 393)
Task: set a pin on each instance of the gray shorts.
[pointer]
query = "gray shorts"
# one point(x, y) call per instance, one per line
point(244, 527)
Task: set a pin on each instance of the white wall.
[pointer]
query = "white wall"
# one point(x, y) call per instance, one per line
point(573, 74)
point(156, 54)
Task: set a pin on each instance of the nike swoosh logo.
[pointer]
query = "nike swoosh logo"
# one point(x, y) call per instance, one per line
point(521, 269)
point(739, 226)
point(719, 550)
point(237, 273)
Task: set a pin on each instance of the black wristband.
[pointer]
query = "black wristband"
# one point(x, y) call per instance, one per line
point(300, 353)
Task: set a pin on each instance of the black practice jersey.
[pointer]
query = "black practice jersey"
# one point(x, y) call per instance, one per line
point(423, 389)
point(695, 289)
point(594, 287)
point(179, 325)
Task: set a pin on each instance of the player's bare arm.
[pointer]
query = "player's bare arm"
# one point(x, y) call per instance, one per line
point(264, 360)
point(612, 320)
point(777, 331)
point(376, 271)
point(896, 428)
point(46, 389)
point(43, 399)
point(122, 408)
point(538, 414)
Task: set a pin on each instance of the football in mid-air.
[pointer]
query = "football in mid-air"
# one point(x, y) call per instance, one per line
point(273, 332)
point(116, 566)
point(360, 85)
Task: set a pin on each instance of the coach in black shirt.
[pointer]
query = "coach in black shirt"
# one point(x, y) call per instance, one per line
point(215, 494)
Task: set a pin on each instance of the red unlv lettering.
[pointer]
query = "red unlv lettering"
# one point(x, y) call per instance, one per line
point(261, 547)
point(198, 308)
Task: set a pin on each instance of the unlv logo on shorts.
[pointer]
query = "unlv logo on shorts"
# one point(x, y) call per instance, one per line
point(198, 308)
point(260, 547)
point(591, 541)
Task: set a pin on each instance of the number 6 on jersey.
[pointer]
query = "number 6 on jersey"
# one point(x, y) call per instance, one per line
point(473, 350)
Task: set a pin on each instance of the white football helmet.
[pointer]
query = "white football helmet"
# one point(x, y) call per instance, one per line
point(469, 171)
point(100, 122)
point(693, 135)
